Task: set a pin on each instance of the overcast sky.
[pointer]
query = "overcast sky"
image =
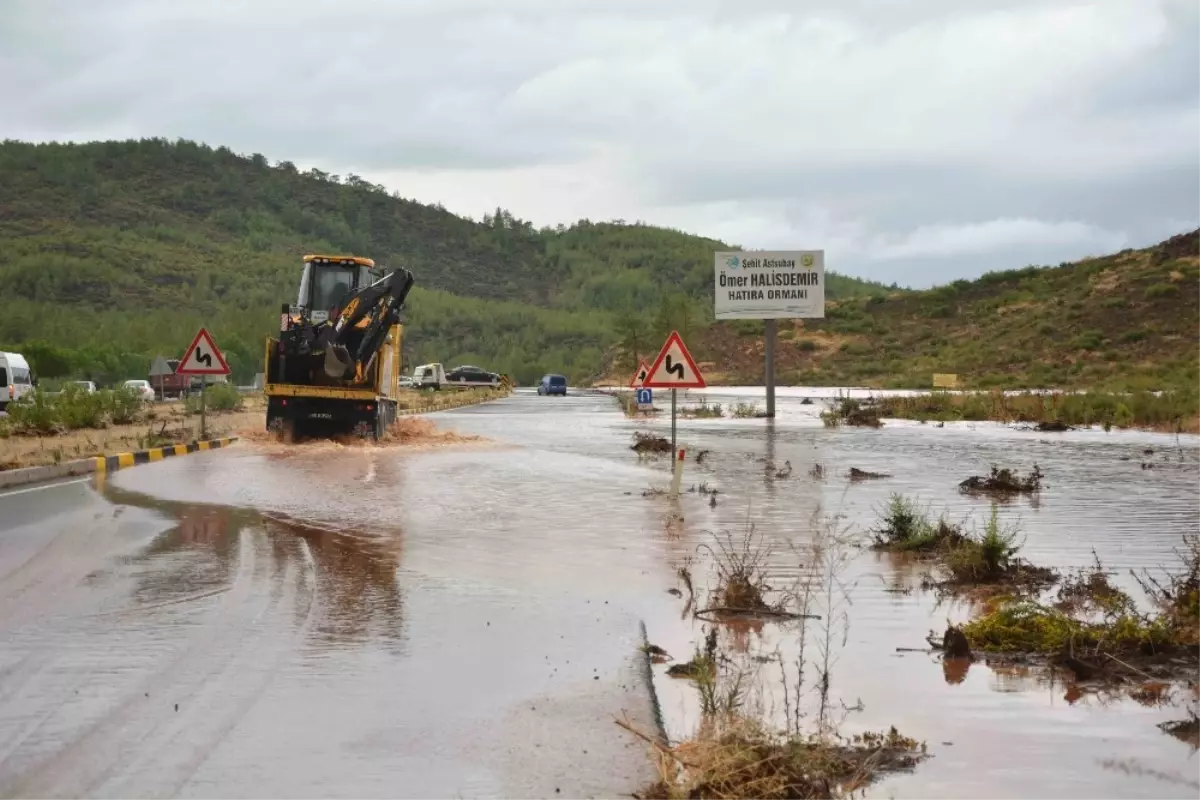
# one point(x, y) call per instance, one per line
point(915, 141)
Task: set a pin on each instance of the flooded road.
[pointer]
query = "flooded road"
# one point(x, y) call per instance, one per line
point(465, 619)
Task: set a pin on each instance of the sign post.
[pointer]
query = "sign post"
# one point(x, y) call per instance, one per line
point(159, 369)
point(673, 369)
point(203, 358)
point(769, 285)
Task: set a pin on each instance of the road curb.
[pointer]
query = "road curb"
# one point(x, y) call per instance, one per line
point(408, 412)
point(120, 460)
point(109, 463)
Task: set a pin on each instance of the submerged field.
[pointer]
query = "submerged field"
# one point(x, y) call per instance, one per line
point(1125, 497)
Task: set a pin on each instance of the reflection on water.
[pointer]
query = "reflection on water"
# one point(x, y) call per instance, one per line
point(358, 595)
point(358, 583)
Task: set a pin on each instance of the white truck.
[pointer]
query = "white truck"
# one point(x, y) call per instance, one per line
point(429, 376)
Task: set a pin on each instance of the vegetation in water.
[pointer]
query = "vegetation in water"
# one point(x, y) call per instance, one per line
point(852, 411)
point(1095, 628)
point(906, 527)
point(962, 559)
point(1173, 410)
point(1003, 481)
point(704, 410)
point(735, 754)
point(745, 410)
point(649, 444)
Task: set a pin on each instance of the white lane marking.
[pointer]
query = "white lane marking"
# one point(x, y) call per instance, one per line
point(12, 492)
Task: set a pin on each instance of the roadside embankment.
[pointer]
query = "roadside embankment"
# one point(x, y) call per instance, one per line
point(106, 463)
point(1176, 411)
point(156, 425)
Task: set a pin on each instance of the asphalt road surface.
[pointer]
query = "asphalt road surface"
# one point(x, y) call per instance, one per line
point(316, 622)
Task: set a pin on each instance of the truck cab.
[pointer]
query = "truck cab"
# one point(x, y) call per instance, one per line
point(326, 282)
point(429, 376)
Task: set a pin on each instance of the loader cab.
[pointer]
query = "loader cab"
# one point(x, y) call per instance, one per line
point(327, 281)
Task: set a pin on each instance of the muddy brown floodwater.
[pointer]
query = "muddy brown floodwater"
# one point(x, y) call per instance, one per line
point(464, 617)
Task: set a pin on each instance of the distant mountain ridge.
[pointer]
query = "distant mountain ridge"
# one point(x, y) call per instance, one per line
point(124, 242)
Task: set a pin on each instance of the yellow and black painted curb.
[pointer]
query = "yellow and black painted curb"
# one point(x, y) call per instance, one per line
point(120, 460)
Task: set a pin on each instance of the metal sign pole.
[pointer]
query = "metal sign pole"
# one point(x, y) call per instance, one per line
point(769, 330)
point(203, 422)
point(672, 422)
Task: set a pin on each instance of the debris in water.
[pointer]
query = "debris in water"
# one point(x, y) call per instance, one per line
point(1052, 426)
point(656, 653)
point(649, 443)
point(1185, 730)
point(857, 474)
point(786, 471)
point(1004, 481)
point(955, 644)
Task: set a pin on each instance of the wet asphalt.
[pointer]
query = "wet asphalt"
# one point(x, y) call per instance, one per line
point(465, 619)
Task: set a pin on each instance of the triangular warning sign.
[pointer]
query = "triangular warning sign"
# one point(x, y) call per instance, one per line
point(640, 375)
point(202, 357)
point(674, 368)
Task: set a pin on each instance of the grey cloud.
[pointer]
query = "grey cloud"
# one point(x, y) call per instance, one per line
point(861, 123)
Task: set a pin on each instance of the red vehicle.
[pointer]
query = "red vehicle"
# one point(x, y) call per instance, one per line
point(171, 385)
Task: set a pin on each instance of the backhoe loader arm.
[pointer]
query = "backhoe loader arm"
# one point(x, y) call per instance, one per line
point(368, 313)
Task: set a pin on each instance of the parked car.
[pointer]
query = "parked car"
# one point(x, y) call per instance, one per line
point(553, 384)
point(141, 387)
point(473, 376)
point(16, 378)
point(87, 386)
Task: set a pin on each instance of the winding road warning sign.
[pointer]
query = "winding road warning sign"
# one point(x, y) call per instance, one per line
point(642, 371)
point(202, 357)
point(674, 368)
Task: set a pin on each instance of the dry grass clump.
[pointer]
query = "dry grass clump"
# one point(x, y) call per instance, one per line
point(737, 757)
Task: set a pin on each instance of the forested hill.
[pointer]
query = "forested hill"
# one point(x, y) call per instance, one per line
point(117, 251)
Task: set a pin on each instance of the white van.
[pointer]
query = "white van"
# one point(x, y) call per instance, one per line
point(16, 379)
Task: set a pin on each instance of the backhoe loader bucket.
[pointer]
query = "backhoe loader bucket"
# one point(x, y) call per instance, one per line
point(338, 363)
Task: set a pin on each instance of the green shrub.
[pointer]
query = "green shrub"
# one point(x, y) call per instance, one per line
point(124, 406)
point(1161, 290)
point(76, 408)
point(34, 413)
point(1089, 340)
point(217, 397)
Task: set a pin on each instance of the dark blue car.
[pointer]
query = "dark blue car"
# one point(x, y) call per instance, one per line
point(553, 384)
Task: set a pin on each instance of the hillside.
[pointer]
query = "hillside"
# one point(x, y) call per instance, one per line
point(118, 251)
point(1130, 320)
